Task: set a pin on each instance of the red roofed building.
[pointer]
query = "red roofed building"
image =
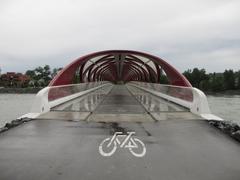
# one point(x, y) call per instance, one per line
point(12, 79)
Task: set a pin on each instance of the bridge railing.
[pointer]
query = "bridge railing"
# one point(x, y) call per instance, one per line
point(192, 98)
point(183, 93)
point(52, 96)
point(57, 92)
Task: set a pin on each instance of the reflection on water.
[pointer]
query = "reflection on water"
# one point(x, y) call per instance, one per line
point(15, 105)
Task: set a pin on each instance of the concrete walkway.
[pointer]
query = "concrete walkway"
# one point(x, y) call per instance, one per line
point(63, 144)
point(176, 150)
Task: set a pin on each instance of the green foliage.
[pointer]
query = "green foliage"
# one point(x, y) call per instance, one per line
point(30, 73)
point(164, 79)
point(197, 77)
point(237, 77)
point(76, 79)
point(41, 76)
point(204, 85)
point(55, 71)
point(229, 79)
point(188, 75)
point(216, 83)
point(213, 81)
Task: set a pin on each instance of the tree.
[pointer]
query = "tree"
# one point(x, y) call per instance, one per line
point(55, 72)
point(216, 82)
point(40, 76)
point(188, 75)
point(229, 79)
point(46, 74)
point(196, 76)
point(164, 79)
point(205, 85)
point(30, 73)
point(237, 78)
point(39, 73)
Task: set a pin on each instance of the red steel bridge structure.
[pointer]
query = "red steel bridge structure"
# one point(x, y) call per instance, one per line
point(119, 66)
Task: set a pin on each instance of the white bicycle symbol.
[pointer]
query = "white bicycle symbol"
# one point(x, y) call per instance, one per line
point(109, 145)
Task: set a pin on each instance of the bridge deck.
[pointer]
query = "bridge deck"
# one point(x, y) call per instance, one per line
point(52, 147)
point(119, 104)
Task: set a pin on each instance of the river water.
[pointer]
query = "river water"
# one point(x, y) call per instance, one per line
point(226, 107)
point(15, 105)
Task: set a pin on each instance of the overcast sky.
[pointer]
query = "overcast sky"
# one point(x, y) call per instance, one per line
point(186, 33)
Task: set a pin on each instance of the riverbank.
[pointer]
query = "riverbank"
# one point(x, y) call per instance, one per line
point(20, 90)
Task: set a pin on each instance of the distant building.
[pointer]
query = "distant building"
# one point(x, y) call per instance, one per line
point(12, 79)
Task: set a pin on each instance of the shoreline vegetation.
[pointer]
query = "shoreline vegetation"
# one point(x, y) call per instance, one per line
point(225, 83)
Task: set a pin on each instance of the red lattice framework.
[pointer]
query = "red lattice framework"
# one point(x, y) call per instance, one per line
point(119, 66)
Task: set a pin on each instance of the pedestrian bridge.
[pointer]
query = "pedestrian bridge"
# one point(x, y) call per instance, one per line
point(120, 85)
point(117, 103)
point(109, 92)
